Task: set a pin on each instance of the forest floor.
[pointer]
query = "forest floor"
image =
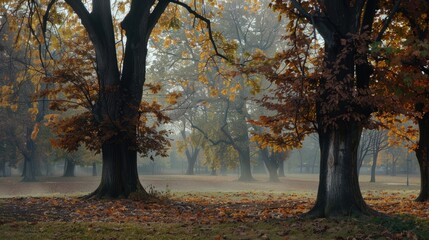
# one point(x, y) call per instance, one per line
point(204, 207)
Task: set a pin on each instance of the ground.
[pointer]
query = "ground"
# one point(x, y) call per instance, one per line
point(204, 207)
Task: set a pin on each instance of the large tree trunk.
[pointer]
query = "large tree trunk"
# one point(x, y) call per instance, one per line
point(423, 157)
point(339, 193)
point(69, 167)
point(119, 177)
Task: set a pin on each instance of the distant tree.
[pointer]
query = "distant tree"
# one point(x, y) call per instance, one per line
point(378, 142)
point(254, 29)
point(192, 145)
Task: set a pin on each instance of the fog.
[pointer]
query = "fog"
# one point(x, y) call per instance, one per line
point(210, 106)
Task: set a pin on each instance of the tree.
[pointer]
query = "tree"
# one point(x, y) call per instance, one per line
point(419, 64)
point(393, 155)
point(273, 161)
point(192, 145)
point(364, 148)
point(327, 91)
point(224, 86)
point(379, 142)
point(21, 117)
point(116, 122)
point(403, 64)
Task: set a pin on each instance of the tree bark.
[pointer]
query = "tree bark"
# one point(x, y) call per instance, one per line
point(339, 193)
point(69, 167)
point(423, 157)
point(119, 177)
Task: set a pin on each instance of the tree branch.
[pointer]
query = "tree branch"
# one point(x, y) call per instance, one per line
point(208, 24)
point(206, 135)
point(85, 17)
point(301, 10)
point(388, 20)
point(155, 15)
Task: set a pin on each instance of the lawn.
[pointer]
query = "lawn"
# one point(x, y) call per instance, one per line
point(204, 207)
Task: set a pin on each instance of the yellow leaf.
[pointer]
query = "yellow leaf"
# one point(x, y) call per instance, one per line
point(35, 131)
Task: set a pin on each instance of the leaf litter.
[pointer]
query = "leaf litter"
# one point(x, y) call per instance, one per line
point(206, 210)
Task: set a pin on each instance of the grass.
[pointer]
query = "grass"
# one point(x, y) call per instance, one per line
point(253, 198)
point(292, 228)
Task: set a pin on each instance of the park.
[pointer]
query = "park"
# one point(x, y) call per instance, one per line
point(204, 207)
point(214, 119)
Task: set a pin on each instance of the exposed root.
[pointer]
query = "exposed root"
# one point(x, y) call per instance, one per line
point(138, 195)
point(356, 212)
point(422, 198)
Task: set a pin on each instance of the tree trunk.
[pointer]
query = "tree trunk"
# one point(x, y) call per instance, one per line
point(3, 168)
point(423, 157)
point(245, 168)
point(192, 159)
point(281, 169)
point(271, 164)
point(374, 166)
point(94, 169)
point(69, 167)
point(339, 193)
point(119, 177)
point(273, 174)
point(28, 172)
point(313, 165)
point(393, 173)
point(223, 167)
